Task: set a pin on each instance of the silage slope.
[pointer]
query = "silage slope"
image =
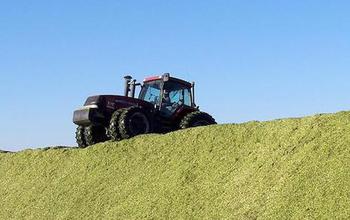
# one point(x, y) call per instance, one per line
point(286, 168)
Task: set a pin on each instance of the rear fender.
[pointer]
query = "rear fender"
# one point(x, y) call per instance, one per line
point(181, 112)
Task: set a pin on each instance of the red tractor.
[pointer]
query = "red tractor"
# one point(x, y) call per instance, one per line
point(164, 104)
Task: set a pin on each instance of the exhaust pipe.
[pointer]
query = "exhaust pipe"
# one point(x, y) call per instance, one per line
point(127, 85)
point(193, 97)
point(133, 88)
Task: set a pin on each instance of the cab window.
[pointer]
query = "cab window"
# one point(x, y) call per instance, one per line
point(181, 96)
point(150, 92)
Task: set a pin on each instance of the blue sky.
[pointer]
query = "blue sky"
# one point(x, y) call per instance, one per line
point(252, 60)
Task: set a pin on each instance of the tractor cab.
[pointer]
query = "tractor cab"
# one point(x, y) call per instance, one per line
point(166, 93)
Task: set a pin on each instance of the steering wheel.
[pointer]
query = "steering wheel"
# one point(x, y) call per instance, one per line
point(175, 105)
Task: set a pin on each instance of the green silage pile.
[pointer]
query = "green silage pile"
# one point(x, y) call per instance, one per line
point(293, 168)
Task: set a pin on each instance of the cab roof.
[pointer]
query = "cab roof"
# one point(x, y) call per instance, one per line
point(173, 79)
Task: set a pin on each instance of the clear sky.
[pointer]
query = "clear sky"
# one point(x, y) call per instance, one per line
point(252, 60)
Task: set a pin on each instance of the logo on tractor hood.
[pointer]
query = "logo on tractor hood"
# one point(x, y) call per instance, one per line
point(111, 105)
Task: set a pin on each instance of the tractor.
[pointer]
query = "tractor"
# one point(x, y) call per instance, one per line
point(164, 104)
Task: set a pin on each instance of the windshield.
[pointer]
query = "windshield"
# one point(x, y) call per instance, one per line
point(150, 92)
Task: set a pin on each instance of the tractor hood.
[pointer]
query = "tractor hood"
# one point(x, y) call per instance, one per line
point(113, 102)
point(98, 109)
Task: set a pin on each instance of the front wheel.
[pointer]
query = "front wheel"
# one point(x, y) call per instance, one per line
point(95, 134)
point(196, 119)
point(80, 137)
point(113, 130)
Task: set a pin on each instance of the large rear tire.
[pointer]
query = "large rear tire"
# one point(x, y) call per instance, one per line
point(95, 134)
point(80, 137)
point(196, 119)
point(134, 121)
point(113, 130)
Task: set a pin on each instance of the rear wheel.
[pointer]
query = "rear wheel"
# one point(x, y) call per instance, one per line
point(95, 134)
point(113, 130)
point(80, 137)
point(196, 119)
point(134, 121)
